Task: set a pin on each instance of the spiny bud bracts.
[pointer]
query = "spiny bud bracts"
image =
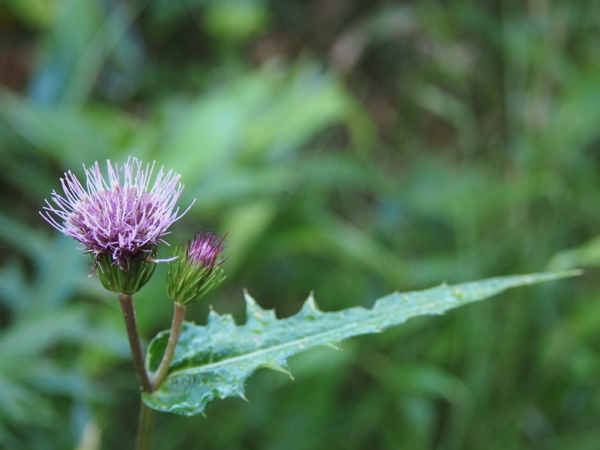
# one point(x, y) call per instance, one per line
point(197, 269)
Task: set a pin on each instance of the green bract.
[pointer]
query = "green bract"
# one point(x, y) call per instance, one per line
point(127, 280)
point(214, 361)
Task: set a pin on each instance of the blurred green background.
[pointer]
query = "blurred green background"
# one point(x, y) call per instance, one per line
point(349, 147)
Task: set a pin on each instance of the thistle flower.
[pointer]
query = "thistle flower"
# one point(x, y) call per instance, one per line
point(197, 269)
point(119, 221)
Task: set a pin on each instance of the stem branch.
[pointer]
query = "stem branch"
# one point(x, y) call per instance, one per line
point(135, 345)
point(163, 369)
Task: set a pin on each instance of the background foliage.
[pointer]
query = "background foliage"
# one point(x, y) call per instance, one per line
point(351, 148)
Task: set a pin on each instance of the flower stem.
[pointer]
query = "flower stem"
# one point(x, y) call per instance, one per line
point(163, 369)
point(145, 427)
point(135, 345)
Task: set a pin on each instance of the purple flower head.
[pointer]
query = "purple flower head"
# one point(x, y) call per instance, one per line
point(205, 249)
point(124, 216)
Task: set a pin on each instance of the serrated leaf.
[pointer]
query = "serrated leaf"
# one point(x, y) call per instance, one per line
point(214, 361)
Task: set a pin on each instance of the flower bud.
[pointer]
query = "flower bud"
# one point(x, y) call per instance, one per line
point(197, 269)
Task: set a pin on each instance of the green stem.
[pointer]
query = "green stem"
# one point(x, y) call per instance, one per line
point(145, 427)
point(135, 344)
point(163, 369)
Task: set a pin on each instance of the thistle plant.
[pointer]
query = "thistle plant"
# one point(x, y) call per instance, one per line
point(121, 220)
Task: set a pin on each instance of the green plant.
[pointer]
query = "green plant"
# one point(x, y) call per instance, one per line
point(121, 220)
point(426, 141)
